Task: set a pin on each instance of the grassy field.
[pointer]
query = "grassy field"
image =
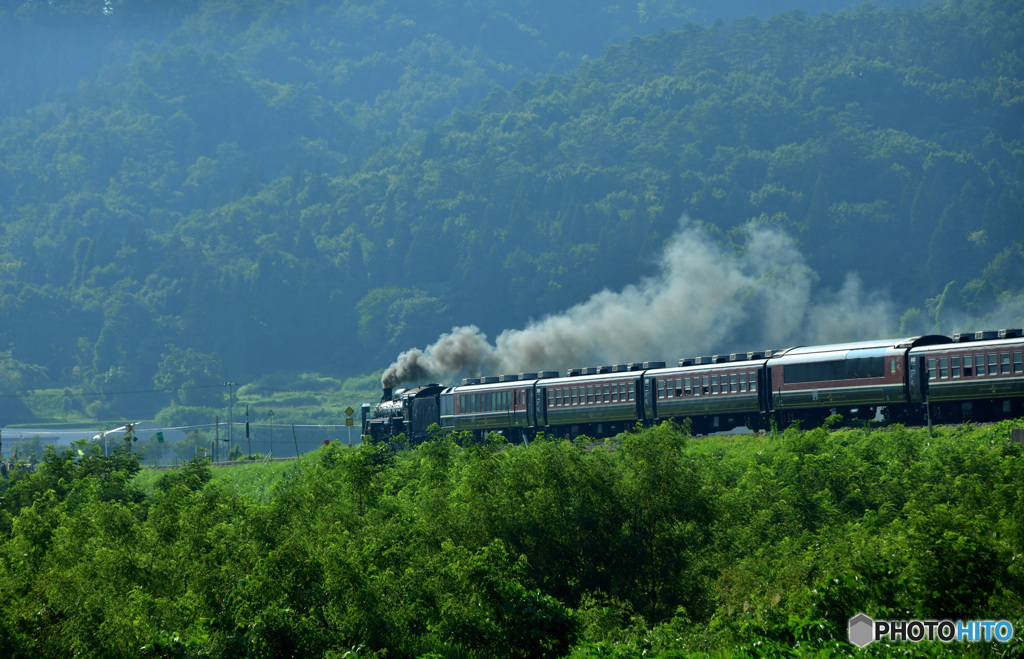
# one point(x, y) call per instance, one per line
point(258, 480)
point(300, 398)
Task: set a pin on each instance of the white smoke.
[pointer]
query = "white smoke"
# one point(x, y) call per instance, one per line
point(705, 300)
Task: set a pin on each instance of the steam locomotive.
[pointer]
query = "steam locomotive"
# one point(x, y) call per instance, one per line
point(969, 376)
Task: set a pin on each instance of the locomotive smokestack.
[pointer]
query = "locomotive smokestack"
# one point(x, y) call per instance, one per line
point(387, 394)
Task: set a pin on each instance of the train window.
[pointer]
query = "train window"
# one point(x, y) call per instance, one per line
point(686, 386)
point(551, 397)
point(632, 391)
point(992, 364)
point(714, 384)
point(753, 382)
point(572, 393)
point(954, 367)
point(1004, 362)
point(558, 397)
point(606, 388)
point(732, 384)
point(462, 403)
point(931, 369)
point(590, 394)
point(743, 382)
point(968, 366)
point(1018, 365)
point(943, 367)
point(615, 393)
point(661, 388)
point(704, 384)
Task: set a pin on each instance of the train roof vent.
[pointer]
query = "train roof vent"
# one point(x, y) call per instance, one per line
point(470, 381)
point(701, 361)
point(1009, 333)
point(719, 359)
point(738, 356)
point(686, 361)
point(636, 366)
point(985, 335)
point(768, 354)
point(756, 354)
point(547, 374)
point(573, 372)
point(489, 379)
point(508, 377)
point(527, 376)
point(963, 337)
point(654, 365)
point(620, 368)
point(604, 369)
point(590, 370)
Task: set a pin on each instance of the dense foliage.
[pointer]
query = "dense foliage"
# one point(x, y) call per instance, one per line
point(246, 187)
point(652, 544)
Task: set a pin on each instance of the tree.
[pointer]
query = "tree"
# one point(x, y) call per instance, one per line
point(194, 376)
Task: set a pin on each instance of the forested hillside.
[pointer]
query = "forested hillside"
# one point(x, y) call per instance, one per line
point(268, 186)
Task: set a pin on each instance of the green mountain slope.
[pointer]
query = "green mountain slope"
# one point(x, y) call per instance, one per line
point(241, 190)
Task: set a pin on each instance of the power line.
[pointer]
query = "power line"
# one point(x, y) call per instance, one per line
point(254, 389)
point(106, 393)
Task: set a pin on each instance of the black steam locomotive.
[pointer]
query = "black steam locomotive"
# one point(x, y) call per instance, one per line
point(971, 376)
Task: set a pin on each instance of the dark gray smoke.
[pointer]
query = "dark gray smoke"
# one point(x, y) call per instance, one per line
point(705, 300)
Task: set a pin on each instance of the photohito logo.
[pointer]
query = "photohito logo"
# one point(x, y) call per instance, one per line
point(865, 630)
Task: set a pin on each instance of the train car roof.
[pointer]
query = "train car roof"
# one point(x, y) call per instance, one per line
point(986, 339)
point(487, 386)
point(878, 344)
point(416, 392)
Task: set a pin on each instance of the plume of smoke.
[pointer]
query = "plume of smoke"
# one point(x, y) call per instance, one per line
point(850, 314)
point(705, 299)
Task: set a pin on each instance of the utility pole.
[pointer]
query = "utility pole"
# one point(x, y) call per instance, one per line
point(216, 436)
point(247, 442)
point(231, 423)
point(270, 415)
